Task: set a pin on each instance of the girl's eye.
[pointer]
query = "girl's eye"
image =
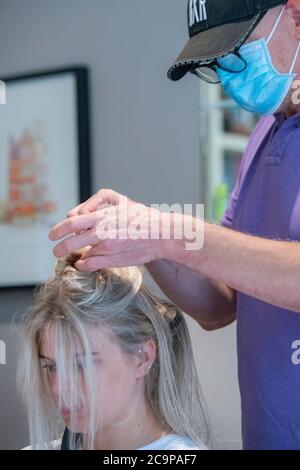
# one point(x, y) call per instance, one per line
point(80, 366)
point(50, 368)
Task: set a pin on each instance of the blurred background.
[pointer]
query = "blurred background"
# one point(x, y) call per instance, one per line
point(152, 139)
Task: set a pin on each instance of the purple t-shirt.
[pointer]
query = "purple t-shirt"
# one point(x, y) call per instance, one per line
point(266, 202)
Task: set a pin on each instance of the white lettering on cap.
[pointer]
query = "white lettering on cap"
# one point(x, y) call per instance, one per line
point(197, 10)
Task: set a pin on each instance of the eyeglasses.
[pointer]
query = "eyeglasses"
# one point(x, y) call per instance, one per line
point(233, 63)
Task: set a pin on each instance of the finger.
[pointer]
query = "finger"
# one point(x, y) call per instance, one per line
point(75, 210)
point(72, 225)
point(73, 243)
point(84, 206)
point(104, 198)
point(90, 205)
point(100, 262)
point(101, 249)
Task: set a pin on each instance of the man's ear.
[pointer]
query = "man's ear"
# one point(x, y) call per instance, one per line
point(293, 10)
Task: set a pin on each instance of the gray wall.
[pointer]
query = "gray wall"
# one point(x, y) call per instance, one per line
point(145, 141)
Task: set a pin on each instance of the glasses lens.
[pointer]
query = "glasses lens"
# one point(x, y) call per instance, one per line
point(207, 73)
point(232, 63)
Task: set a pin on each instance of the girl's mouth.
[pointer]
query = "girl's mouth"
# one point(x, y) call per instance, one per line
point(67, 413)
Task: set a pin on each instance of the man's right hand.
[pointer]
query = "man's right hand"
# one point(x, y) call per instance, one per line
point(102, 199)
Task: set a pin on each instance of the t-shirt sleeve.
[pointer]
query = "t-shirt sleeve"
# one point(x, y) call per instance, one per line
point(260, 131)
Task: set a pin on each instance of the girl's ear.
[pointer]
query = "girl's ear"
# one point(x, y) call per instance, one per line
point(293, 10)
point(145, 357)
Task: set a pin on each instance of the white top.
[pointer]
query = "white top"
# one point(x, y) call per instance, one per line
point(56, 445)
point(168, 442)
point(173, 442)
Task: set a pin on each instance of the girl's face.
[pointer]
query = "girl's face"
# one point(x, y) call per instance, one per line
point(118, 377)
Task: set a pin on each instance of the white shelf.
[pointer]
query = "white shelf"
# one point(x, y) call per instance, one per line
point(234, 142)
point(216, 142)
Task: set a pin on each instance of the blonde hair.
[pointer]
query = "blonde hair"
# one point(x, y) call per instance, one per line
point(116, 298)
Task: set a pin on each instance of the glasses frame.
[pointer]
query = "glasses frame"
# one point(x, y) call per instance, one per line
point(214, 64)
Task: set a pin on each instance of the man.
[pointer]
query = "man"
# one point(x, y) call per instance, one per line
point(249, 267)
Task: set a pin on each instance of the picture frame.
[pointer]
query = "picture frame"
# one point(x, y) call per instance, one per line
point(45, 167)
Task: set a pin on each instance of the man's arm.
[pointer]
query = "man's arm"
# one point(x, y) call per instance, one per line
point(268, 270)
point(211, 303)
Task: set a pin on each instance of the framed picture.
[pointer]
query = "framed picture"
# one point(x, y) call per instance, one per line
point(45, 167)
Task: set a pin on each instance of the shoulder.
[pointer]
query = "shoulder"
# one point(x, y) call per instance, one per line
point(257, 137)
point(54, 445)
point(174, 442)
point(177, 442)
point(263, 126)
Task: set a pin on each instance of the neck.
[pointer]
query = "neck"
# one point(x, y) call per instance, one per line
point(291, 104)
point(136, 430)
point(289, 112)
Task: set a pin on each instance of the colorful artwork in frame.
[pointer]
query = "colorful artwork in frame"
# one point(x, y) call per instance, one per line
point(45, 167)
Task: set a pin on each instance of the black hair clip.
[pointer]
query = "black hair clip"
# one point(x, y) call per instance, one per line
point(66, 439)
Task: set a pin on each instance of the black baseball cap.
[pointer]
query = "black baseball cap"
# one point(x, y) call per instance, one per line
point(216, 28)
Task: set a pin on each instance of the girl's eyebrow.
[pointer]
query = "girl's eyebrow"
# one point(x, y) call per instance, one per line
point(41, 356)
point(94, 353)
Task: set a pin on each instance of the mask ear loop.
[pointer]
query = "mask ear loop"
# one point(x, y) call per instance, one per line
point(295, 58)
point(275, 25)
point(273, 31)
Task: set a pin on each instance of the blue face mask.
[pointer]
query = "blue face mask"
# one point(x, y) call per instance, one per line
point(260, 88)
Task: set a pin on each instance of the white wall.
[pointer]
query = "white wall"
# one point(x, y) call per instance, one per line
point(145, 140)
